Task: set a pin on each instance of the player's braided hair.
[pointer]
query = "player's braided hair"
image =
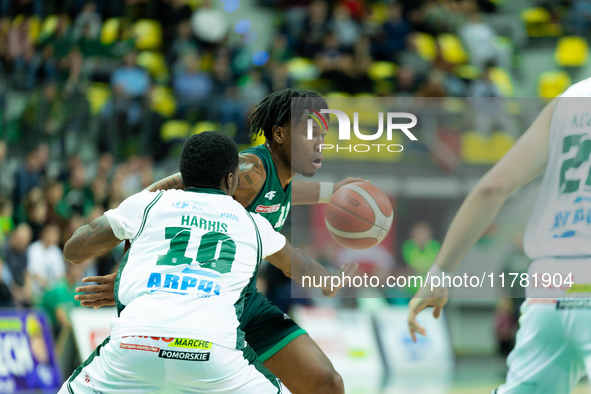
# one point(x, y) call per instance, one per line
point(276, 110)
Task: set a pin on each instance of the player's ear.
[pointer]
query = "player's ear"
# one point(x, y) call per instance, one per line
point(279, 134)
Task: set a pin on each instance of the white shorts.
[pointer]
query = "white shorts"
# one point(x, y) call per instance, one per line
point(137, 364)
point(553, 347)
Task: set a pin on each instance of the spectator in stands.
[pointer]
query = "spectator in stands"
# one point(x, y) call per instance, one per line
point(36, 213)
point(88, 23)
point(253, 90)
point(45, 261)
point(412, 60)
point(392, 38)
point(29, 174)
point(184, 43)
point(580, 18)
point(315, 29)
point(45, 116)
point(344, 27)
point(421, 248)
point(78, 198)
point(123, 113)
point(14, 255)
point(173, 13)
point(52, 194)
point(6, 221)
point(192, 87)
point(481, 42)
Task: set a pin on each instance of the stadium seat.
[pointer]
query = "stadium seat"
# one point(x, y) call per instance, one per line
point(147, 34)
point(163, 101)
point(382, 70)
point(110, 30)
point(378, 13)
point(49, 25)
point(155, 63)
point(34, 28)
point(337, 94)
point(206, 126)
point(475, 149)
point(175, 130)
point(553, 83)
point(426, 46)
point(502, 80)
point(538, 23)
point(500, 143)
point(571, 51)
point(301, 68)
point(466, 71)
point(97, 95)
point(452, 49)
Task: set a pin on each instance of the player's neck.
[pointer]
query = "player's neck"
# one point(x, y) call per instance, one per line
point(281, 166)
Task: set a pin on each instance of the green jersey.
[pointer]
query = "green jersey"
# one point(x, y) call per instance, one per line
point(272, 202)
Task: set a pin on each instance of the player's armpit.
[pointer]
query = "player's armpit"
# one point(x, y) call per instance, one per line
point(251, 178)
point(171, 182)
point(90, 241)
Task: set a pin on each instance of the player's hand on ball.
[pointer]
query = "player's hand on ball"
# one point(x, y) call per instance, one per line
point(425, 298)
point(346, 270)
point(99, 295)
point(346, 181)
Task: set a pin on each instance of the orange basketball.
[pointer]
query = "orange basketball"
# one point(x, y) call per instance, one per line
point(359, 215)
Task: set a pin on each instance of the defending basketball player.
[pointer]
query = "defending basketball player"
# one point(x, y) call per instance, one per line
point(553, 347)
point(183, 281)
point(265, 176)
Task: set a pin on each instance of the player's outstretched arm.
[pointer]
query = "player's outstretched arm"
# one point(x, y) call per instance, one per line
point(524, 161)
point(304, 193)
point(90, 241)
point(296, 264)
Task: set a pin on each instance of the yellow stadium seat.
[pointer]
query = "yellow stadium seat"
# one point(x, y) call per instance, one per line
point(34, 28)
point(452, 49)
point(337, 94)
point(110, 30)
point(382, 70)
point(194, 4)
point(571, 51)
point(475, 149)
point(49, 25)
point(535, 15)
point(499, 144)
point(378, 13)
point(20, 18)
point(301, 68)
point(553, 83)
point(155, 63)
point(502, 80)
point(174, 130)
point(466, 71)
point(426, 46)
point(147, 34)
point(97, 95)
point(206, 126)
point(163, 101)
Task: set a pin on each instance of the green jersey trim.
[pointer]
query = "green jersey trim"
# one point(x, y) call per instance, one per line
point(239, 304)
point(205, 190)
point(145, 216)
point(117, 283)
point(97, 352)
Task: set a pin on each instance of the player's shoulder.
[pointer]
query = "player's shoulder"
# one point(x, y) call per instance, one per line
point(579, 89)
point(251, 172)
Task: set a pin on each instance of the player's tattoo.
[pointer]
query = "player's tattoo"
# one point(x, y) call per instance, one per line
point(172, 182)
point(251, 178)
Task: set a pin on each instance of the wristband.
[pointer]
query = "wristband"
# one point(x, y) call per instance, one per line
point(325, 193)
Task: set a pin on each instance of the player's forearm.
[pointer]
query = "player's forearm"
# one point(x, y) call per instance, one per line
point(476, 214)
point(90, 241)
point(303, 193)
point(172, 182)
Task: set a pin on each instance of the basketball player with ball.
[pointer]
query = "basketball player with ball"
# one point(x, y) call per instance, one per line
point(265, 182)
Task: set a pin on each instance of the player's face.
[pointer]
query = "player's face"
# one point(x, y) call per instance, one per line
point(306, 157)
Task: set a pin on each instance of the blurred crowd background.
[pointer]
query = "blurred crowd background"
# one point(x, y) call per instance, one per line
point(96, 98)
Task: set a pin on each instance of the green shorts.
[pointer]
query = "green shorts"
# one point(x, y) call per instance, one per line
point(267, 329)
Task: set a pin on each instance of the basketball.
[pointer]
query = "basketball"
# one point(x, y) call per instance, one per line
point(359, 216)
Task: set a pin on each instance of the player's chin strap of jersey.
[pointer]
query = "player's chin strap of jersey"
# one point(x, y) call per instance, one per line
point(326, 191)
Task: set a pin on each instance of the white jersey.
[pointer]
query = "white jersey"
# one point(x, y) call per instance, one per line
point(192, 255)
point(560, 224)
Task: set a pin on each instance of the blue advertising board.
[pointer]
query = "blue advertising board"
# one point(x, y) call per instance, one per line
point(27, 359)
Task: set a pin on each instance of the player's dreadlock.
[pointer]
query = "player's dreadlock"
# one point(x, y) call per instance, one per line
point(276, 110)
